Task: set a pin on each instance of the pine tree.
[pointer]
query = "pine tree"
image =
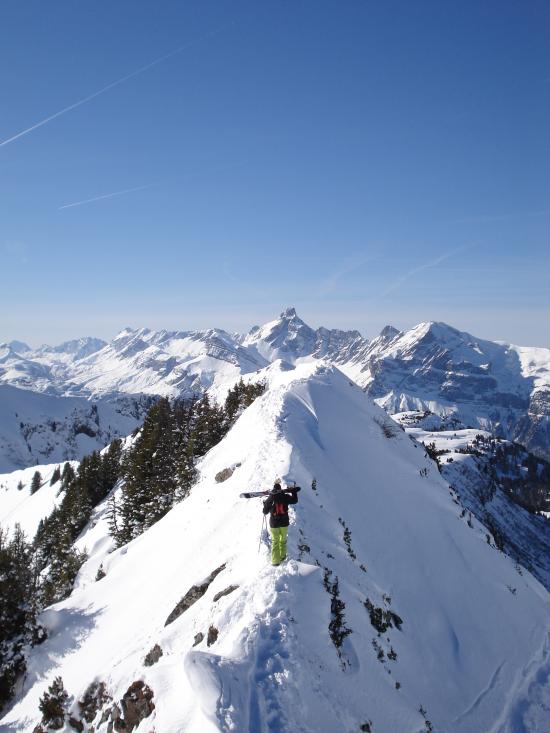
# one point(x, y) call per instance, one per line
point(162, 479)
point(75, 509)
point(110, 465)
point(56, 476)
point(53, 705)
point(159, 469)
point(18, 608)
point(65, 562)
point(67, 476)
point(36, 482)
point(149, 470)
point(240, 397)
point(112, 520)
point(233, 401)
point(186, 472)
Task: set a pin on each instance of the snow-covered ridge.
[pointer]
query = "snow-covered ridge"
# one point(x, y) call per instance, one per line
point(499, 387)
point(471, 653)
point(169, 363)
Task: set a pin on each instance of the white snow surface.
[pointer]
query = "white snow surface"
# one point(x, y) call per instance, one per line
point(498, 387)
point(169, 363)
point(472, 653)
point(19, 506)
point(42, 428)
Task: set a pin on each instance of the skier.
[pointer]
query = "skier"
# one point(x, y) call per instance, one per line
point(276, 505)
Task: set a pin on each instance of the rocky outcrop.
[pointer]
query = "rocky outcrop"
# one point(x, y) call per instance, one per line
point(137, 704)
point(153, 656)
point(192, 596)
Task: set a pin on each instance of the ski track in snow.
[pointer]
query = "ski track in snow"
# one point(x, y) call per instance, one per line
point(529, 709)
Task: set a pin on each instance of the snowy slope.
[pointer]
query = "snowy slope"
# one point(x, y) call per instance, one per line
point(498, 387)
point(472, 651)
point(525, 535)
point(46, 368)
point(39, 428)
point(19, 506)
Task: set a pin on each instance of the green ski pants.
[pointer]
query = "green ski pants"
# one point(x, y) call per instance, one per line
point(278, 544)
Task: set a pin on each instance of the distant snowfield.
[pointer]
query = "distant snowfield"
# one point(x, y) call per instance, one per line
point(40, 428)
point(473, 651)
point(534, 363)
point(19, 506)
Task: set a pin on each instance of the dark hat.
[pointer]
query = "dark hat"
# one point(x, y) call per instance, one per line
point(276, 488)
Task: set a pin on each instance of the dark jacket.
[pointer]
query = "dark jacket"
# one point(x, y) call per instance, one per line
point(276, 505)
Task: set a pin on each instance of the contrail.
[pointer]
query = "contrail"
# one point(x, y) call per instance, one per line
point(111, 86)
point(424, 266)
point(105, 196)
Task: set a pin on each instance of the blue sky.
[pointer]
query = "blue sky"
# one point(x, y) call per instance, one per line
point(367, 162)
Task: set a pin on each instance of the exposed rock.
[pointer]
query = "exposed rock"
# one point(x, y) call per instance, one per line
point(225, 592)
point(137, 704)
point(198, 638)
point(212, 636)
point(153, 656)
point(224, 475)
point(76, 724)
point(192, 596)
point(382, 619)
point(93, 700)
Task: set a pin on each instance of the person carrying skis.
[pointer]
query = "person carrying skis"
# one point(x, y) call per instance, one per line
point(276, 505)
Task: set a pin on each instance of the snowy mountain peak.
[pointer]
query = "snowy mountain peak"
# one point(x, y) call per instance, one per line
point(80, 348)
point(7, 353)
point(20, 347)
point(440, 331)
point(287, 338)
point(389, 332)
point(124, 333)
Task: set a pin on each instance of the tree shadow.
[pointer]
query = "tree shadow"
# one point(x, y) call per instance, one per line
point(67, 629)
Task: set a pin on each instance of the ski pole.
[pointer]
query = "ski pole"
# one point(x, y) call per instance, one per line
point(261, 533)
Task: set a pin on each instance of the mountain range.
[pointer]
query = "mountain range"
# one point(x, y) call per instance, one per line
point(468, 381)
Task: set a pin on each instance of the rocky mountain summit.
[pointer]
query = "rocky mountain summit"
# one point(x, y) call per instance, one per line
point(501, 388)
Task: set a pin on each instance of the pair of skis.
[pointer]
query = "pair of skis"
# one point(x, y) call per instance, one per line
point(253, 494)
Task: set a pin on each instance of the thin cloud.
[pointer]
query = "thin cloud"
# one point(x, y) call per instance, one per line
point(331, 283)
point(425, 266)
point(500, 217)
point(104, 196)
point(112, 85)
